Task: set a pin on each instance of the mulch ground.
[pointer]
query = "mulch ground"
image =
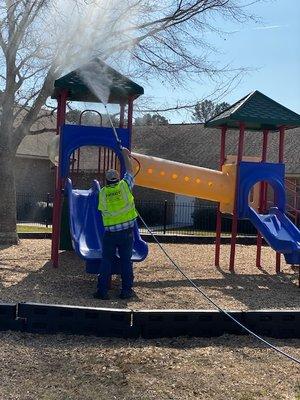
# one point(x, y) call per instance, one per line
point(26, 274)
point(65, 367)
point(60, 367)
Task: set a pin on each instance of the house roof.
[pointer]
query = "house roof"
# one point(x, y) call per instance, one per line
point(192, 144)
point(37, 145)
point(258, 112)
point(96, 73)
point(195, 144)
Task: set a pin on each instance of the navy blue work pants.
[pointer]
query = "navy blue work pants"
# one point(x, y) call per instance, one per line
point(123, 241)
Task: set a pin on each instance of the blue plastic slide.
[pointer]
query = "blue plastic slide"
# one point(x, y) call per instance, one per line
point(87, 230)
point(279, 232)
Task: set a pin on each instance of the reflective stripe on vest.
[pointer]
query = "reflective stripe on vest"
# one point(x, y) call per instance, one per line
point(116, 204)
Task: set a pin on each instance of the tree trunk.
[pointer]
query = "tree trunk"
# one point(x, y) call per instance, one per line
point(8, 215)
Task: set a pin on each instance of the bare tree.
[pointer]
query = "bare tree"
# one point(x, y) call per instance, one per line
point(40, 39)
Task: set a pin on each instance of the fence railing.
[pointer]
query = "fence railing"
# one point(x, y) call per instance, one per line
point(35, 209)
point(186, 219)
point(164, 217)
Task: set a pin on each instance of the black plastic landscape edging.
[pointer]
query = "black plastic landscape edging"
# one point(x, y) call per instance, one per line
point(209, 323)
point(127, 323)
point(35, 235)
point(246, 240)
point(52, 318)
point(8, 318)
point(194, 323)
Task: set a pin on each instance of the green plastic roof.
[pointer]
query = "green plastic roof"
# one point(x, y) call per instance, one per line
point(94, 75)
point(257, 111)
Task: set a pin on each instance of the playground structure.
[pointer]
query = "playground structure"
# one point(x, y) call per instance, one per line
point(257, 112)
point(231, 186)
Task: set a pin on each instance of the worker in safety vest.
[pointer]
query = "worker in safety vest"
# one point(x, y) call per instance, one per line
point(116, 204)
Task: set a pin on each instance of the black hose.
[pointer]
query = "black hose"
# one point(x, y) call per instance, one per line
point(139, 166)
point(197, 287)
point(215, 304)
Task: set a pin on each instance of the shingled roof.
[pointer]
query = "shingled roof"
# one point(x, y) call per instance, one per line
point(77, 83)
point(194, 144)
point(258, 112)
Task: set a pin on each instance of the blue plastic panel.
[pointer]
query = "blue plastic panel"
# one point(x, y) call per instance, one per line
point(279, 232)
point(249, 174)
point(76, 136)
point(276, 228)
point(87, 229)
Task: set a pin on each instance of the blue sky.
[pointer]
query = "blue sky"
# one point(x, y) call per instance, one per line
point(270, 49)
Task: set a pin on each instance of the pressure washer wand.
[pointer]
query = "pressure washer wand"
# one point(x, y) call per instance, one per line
point(113, 128)
point(119, 141)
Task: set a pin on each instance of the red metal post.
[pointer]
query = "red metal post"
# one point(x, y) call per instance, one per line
point(122, 115)
point(130, 113)
point(108, 158)
point(295, 202)
point(261, 198)
point(234, 217)
point(219, 215)
point(78, 161)
point(61, 115)
point(104, 159)
point(99, 161)
point(281, 144)
point(112, 159)
point(280, 159)
point(73, 163)
point(111, 154)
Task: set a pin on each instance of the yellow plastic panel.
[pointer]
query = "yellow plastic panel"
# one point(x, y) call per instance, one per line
point(254, 199)
point(232, 159)
point(227, 207)
point(185, 179)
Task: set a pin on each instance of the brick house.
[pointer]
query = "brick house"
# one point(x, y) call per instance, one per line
point(194, 144)
point(188, 143)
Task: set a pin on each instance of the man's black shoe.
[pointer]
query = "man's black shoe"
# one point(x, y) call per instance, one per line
point(101, 296)
point(126, 295)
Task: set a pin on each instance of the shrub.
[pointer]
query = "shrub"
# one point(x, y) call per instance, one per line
point(31, 210)
point(44, 212)
point(152, 213)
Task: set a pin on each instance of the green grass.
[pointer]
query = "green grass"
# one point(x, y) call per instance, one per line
point(194, 232)
point(33, 229)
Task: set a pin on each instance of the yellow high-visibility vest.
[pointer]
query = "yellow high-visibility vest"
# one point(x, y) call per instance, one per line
point(116, 204)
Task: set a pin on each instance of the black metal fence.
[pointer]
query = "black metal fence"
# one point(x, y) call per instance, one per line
point(186, 219)
point(164, 217)
point(35, 209)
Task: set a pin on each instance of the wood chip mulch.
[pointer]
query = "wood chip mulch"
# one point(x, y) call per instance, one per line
point(66, 367)
point(26, 274)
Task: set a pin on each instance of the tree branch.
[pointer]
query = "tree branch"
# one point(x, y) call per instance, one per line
point(43, 130)
point(34, 111)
